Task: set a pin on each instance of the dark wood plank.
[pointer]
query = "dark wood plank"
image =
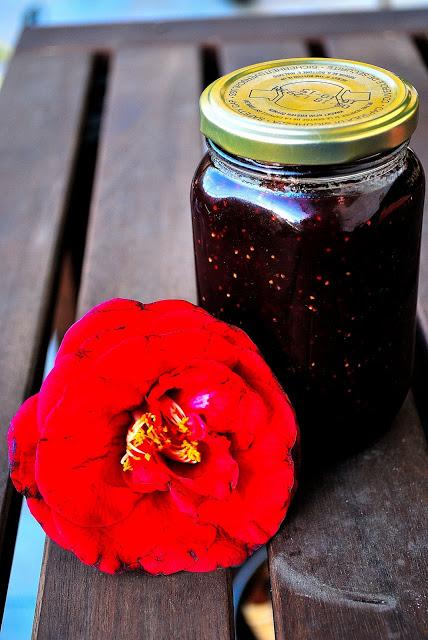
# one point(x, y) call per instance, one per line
point(41, 104)
point(348, 562)
point(398, 53)
point(351, 561)
point(234, 55)
point(139, 246)
point(253, 28)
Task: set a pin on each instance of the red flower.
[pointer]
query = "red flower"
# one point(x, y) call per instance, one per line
point(160, 440)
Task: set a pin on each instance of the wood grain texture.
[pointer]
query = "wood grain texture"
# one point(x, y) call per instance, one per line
point(139, 246)
point(399, 54)
point(234, 55)
point(140, 241)
point(41, 104)
point(256, 28)
point(351, 561)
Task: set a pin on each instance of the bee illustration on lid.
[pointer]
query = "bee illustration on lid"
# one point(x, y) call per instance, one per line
point(311, 95)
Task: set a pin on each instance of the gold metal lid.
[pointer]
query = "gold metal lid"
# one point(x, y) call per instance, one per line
point(309, 111)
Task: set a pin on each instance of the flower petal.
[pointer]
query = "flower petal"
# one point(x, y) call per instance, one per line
point(164, 515)
point(22, 441)
point(217, 473)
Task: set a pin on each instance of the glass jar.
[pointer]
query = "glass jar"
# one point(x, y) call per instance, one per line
point(314, 250)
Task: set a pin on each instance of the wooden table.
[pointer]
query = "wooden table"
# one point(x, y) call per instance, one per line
point(98, 142)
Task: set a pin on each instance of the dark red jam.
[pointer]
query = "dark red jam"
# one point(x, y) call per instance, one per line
point(322, 273)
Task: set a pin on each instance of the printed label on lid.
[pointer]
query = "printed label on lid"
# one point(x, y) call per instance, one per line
point(310, 94)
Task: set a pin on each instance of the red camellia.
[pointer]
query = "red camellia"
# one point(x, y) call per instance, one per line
point(160, 440)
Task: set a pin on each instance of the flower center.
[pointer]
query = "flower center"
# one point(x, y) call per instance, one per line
point(169, 432)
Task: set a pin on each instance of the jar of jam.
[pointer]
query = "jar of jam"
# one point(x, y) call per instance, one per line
point(307, 211)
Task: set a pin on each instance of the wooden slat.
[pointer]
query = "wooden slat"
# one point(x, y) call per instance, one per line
point(351, 560)
point(139, 246)
point(234, 55)
point(399, 54)
point(41, 104)
point(253, 28)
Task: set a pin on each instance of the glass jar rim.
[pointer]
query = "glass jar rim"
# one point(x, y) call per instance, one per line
point(356, 169)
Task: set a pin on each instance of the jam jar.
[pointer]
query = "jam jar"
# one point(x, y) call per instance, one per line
point(307, 211)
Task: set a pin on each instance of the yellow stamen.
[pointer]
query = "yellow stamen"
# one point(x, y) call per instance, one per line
point(145, 429)
point(189, 451)
point(136, 436)
point(126, 464)
point(181, 424)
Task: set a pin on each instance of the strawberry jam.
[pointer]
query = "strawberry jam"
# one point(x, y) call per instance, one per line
point(307, 213)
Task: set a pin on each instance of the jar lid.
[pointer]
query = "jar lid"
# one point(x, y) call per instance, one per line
point(309, 111)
